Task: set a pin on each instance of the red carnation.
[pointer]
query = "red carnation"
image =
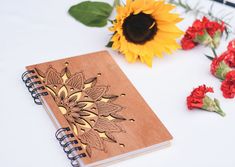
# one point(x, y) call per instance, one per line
point(187, 43)
point(221, 65)
point(228, 85)
point(215, 64)
point(230, 54)
point(199, 99)
point(219, 68)
point(229, 58)
point(195, 100)
point(231, 46)
point(204, 32)
point(213, 26)
point(198, 27)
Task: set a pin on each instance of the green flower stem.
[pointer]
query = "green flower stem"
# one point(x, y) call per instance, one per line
point(212, 106)
point(214, 52)
point(116, 3)
point(196, 10)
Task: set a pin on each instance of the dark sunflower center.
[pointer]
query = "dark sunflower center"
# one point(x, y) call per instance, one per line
point(139, 28)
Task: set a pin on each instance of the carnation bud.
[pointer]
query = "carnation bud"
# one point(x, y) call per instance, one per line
point(206, 39)
point(221, 70)
point(212, 106)
point(216, 39)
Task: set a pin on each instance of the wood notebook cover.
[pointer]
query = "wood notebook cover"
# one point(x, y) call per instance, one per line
point(92, 96)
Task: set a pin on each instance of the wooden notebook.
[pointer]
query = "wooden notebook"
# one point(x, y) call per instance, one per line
point(99, 114)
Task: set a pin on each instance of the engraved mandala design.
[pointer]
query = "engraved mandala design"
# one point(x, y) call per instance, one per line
point(88, 107)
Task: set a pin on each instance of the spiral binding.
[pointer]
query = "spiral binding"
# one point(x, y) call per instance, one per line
point(67, 141)
point(34, 86)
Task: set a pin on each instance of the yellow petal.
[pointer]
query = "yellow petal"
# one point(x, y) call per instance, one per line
point(163, 42)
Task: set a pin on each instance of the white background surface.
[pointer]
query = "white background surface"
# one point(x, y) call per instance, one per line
point(33, 31)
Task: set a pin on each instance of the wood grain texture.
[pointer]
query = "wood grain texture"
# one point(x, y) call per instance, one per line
point(92, 96)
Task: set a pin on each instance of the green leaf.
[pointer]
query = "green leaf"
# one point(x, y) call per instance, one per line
point(209, 57)
point(92, 14)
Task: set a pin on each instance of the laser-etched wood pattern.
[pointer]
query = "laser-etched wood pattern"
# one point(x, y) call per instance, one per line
point(91, 91)
point(88, 108)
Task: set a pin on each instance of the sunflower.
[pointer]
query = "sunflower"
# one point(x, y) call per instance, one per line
point(144, 29)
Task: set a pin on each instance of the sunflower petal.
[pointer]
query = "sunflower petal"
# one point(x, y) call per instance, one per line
point(164, 41)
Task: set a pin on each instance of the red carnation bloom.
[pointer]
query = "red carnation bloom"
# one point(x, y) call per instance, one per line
point(198, 99)
point(204, 32)
point(231, 46)
point(191, 32)
point(187, 42)
point(215, 63)
point(213, 26)
point(230, 54)
point(198, 27)
point(228, 85)
point(195, 100)
point(229, 58)
point(219, 67)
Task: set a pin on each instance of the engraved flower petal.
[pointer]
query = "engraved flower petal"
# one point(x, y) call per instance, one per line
point(111, 137)
point(96, 92)
point(65, 71)
point(53, 77)
point(91, 80)
point(92, 139)
point(84, 114)
point(110, 97)
point(75, 115)
point(76, 81)
point(71, 104)
point(69, 118)
point(72, 98)
point(62, 95)
point(75, 109)
point(80, 121)
point(89, 150)
point(80, 105)
point(105, 125)
point(76, 118)
point(40, 73)
point(106, 109)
